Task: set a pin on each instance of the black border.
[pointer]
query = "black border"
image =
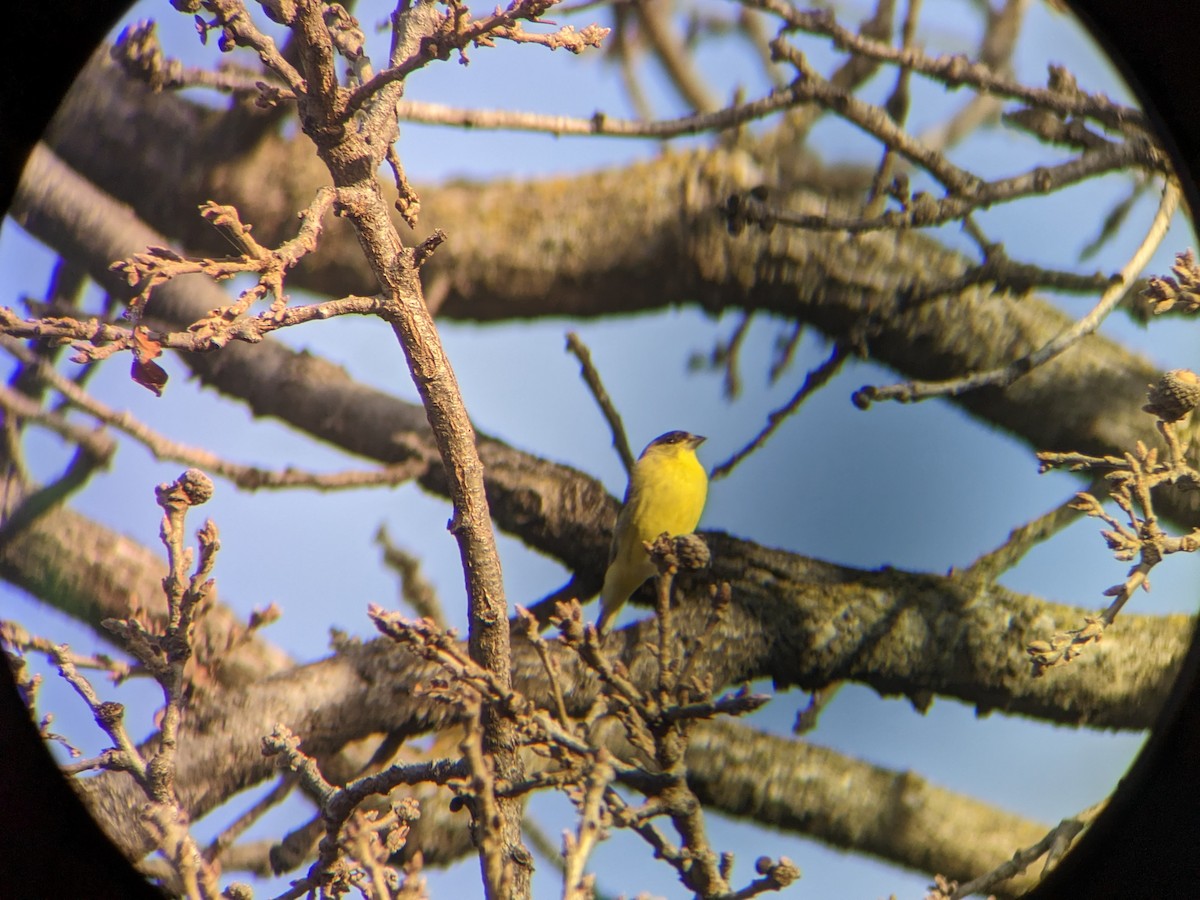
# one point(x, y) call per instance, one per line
point(1144, 845)
point(49, 845)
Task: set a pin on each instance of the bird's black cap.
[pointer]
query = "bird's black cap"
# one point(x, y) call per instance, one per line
point(676, 437)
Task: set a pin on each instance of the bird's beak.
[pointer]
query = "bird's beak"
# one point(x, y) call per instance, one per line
point(696, 440)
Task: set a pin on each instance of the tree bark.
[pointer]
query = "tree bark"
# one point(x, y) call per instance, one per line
point(638, 238)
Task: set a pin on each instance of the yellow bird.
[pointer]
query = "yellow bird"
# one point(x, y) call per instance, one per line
point(667, 490)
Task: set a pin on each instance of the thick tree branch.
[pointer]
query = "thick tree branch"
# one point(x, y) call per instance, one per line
point(567, 514)
point(795, 621)
point(896, 816)
point(652, 237)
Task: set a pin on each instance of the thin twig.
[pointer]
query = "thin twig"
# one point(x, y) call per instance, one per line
point(655, 27)
point(223, 841)
point(723, 119)
point(99, 446)
point(785, 349)
point(1021, 540)
point(970, 193)
point(813, 381)
point(592, 378)
point(455, 31)
point(995, 51)
point(1053, 845)
point(896, 106)
point(1006, 375)
point(529, 622)
point(95, 340)
point(249, 478)
point(957, 70)
point(733, 348)
point(417, 591)
point(590, 830)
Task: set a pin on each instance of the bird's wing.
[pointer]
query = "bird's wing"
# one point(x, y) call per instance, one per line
point(613, 547)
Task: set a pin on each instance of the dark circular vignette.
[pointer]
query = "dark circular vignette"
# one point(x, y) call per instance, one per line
point(50, 847)
point(1144, 845)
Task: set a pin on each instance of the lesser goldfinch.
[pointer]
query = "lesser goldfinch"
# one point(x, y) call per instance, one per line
point(667, 490)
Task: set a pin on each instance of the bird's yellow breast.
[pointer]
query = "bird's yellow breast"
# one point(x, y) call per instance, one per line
point(666, 493)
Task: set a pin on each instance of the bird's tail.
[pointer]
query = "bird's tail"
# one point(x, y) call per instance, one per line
point(608, 612)
point(620, 581)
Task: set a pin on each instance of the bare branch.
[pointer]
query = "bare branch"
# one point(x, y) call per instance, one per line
point(813, 381)
point(957, 71)
point(246, 477)
point(592, 378)
point(1006, 375)
point(969, 195)
point(1056, 843)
